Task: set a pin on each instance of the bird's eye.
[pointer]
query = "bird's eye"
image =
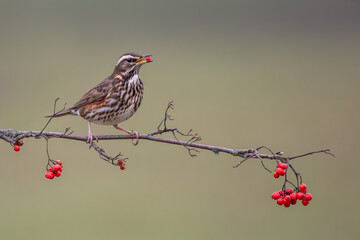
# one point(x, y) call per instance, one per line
point(130, 60)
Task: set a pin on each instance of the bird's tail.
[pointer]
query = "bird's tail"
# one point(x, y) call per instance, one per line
point(61, 113)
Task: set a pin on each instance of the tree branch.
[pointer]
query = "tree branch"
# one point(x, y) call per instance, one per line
point(190, 143)
point(12, 136)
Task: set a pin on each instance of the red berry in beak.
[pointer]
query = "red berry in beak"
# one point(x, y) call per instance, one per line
point(148, 58)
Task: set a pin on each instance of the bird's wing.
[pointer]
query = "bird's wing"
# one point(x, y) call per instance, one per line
point(96, 94)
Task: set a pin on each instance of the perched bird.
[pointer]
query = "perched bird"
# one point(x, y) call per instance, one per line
point(115, 99)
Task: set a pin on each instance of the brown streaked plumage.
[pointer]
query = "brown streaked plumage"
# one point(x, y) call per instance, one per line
point(115, 99)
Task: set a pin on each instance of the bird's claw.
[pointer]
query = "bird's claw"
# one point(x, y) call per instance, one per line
point(90, 139)
point(137, 138)
point(130, 133)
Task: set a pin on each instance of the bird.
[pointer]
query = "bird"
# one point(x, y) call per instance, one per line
point(113, 100)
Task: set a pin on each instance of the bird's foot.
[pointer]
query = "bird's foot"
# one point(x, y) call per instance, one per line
point(90, 139)
point(131, 133)
point(137, 137)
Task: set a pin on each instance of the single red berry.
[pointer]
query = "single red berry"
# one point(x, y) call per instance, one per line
point(49, 175)
point(148, 58)
point(16, 148)
point(305, 203)
point(279, 171)
point(303, 188)
point(122, 167)
point(59, 162)
point(300, 196)
point(121, 162)
point(293, 196)
point(293, 202)
point(276, 175)
point(57, 174)
point(281, 193)
point(275, 195)
point(51, 169)
point(308, 197)
point(289, 191)
point(282, 172)
point(20, 142)
point(283, 165)
point(286, 204)
point(287, 199)
point(57, 168)
point(280, 201)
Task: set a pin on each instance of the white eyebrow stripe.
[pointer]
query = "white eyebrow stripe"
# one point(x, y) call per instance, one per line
point(123, 57)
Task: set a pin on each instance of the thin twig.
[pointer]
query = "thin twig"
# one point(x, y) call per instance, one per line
point(326, 151)
point(53, 115)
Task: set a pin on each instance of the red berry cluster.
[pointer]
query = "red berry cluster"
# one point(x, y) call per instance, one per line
point(19, 143)
point(280, 170)
point(122, 164)
point(290, 197)
point(54, 171)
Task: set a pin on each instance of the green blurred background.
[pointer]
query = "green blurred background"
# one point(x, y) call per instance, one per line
point(241, 73)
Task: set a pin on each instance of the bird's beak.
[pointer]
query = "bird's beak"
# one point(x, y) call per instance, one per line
point(144, 59)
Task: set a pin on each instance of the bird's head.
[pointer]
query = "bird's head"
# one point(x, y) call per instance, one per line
point(130, 63)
